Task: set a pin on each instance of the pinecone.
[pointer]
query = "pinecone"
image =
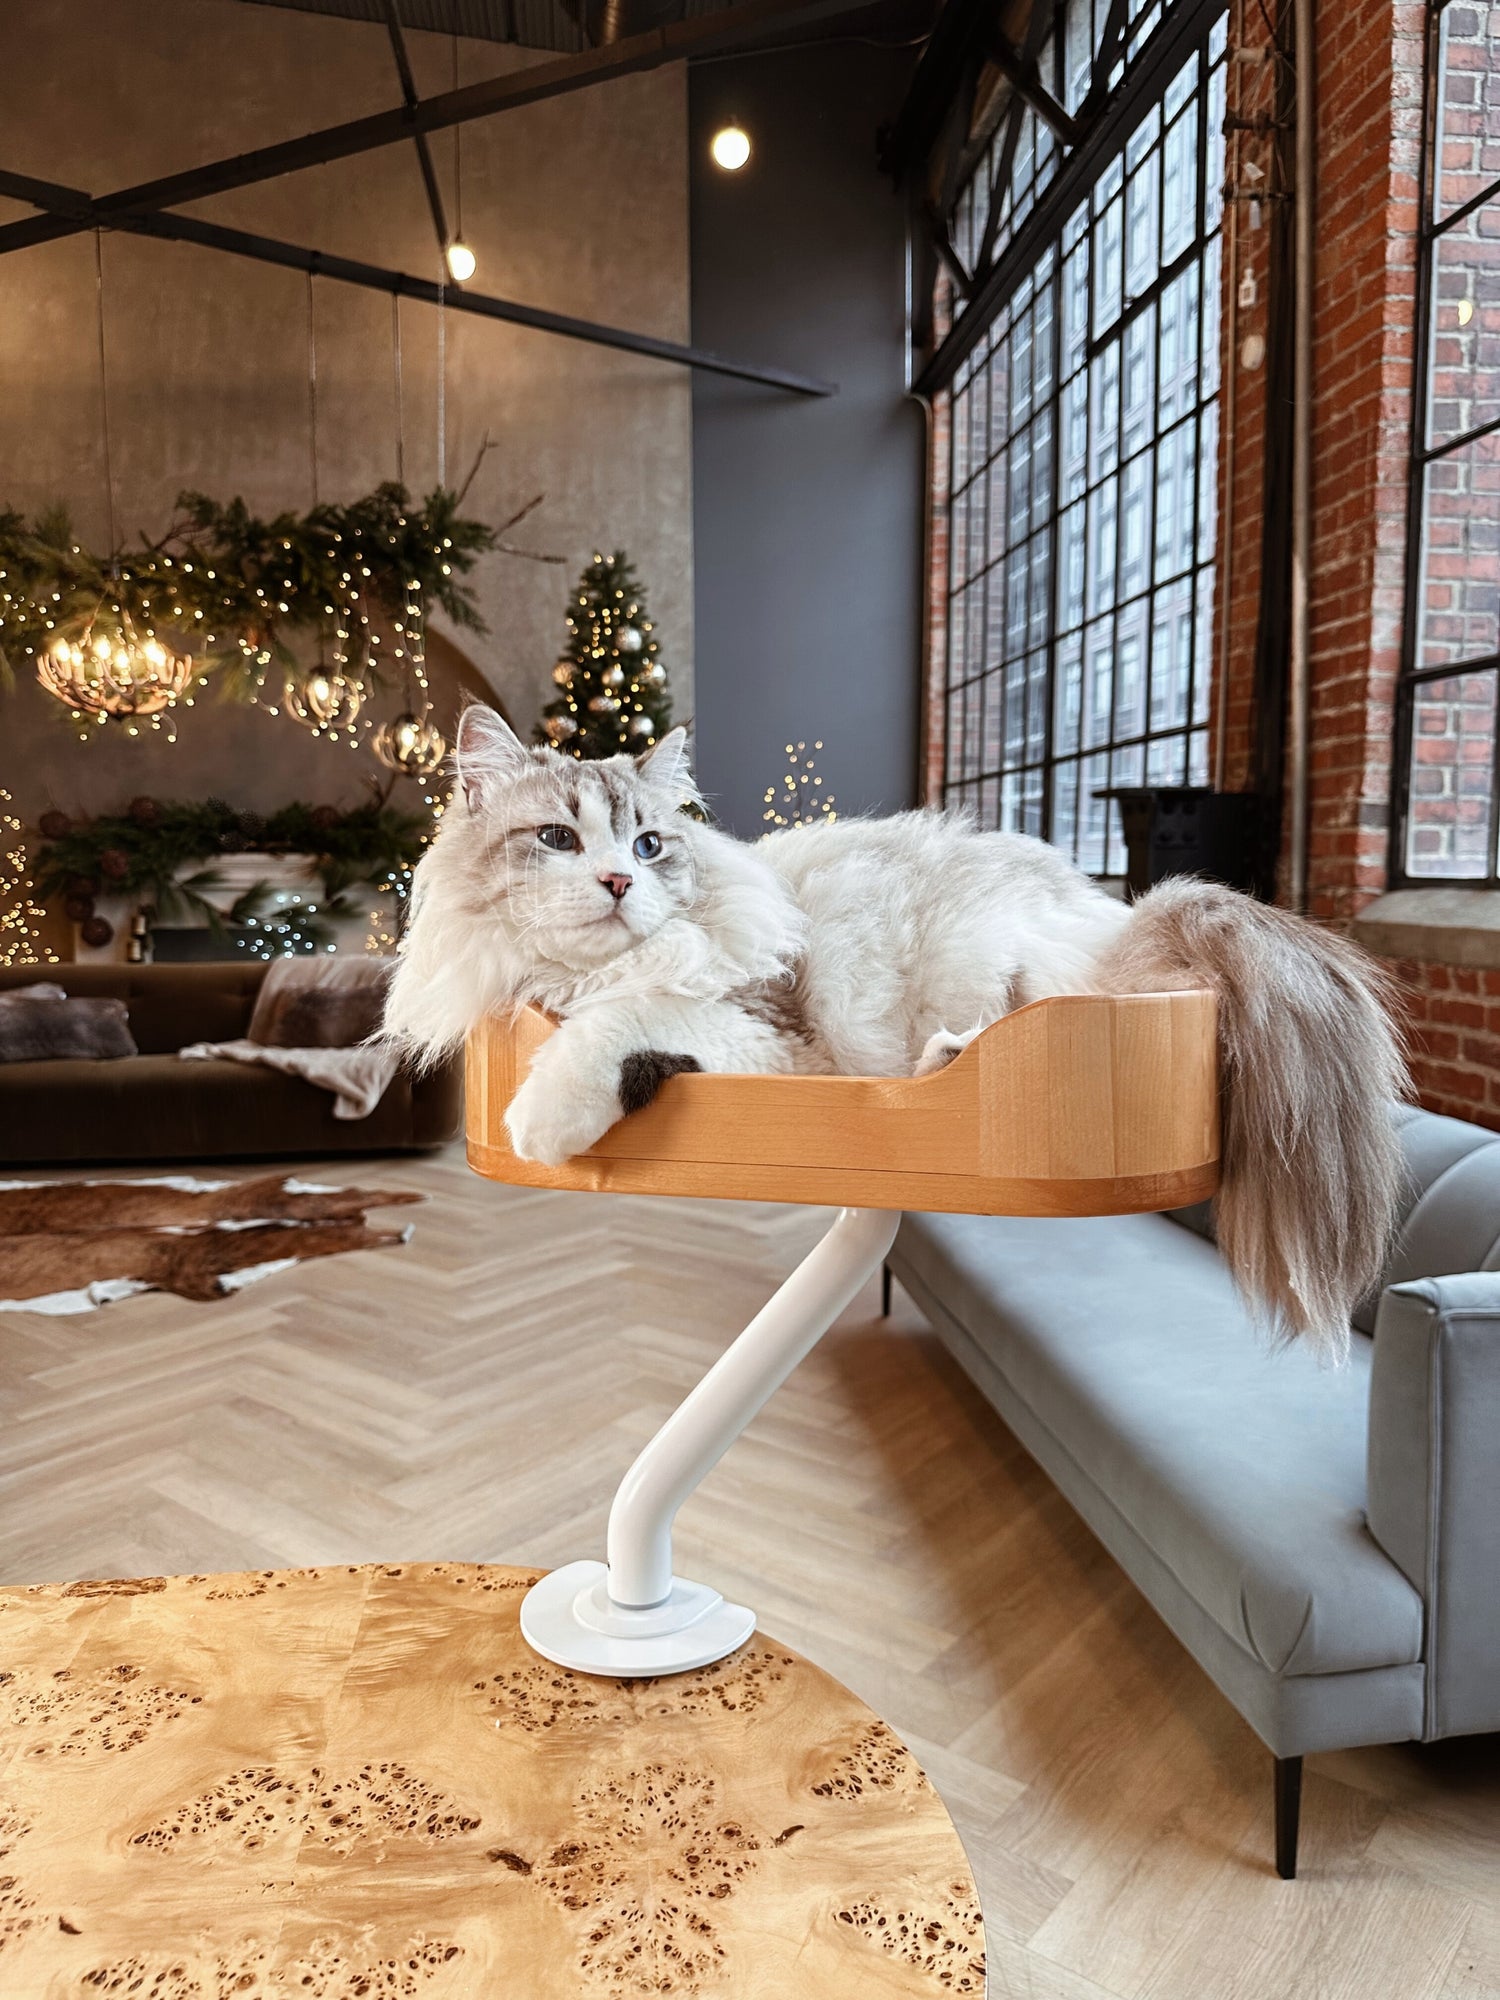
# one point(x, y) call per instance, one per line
point(55, 825)
point(114, 863)
point(78, 908)
point(253, 827)
point(145, 811)
point(325, 818)
point(96, 932)
point(81, 885)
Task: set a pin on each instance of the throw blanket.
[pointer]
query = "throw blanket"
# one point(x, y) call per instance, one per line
point(311, 1019)
point(357, 1077)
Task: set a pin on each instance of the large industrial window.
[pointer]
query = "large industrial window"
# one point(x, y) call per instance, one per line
point(1448, 824)
point(1080, 484)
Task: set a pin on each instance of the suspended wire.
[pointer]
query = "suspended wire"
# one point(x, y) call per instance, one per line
point(442, 386)
point(458, 162)
point(312, 389)
point(400, 398)
point(109, 470)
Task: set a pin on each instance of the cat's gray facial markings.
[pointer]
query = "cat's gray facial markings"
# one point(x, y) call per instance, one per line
point(644, 1072)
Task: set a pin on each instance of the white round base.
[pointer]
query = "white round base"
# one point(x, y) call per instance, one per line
point(569, 1619)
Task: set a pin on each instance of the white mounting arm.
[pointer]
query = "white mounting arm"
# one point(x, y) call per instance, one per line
point(635, 1617)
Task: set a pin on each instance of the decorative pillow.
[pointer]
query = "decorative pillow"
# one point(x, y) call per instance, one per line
point(44, 989)
point(320, 1001)
point(64, 1030)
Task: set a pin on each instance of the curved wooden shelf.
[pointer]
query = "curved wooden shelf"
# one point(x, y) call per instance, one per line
point(1081, 1105)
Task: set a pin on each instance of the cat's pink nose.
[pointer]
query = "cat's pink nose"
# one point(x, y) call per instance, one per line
point(617, 884)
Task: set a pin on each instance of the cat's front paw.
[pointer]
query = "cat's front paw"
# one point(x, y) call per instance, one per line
point(940, 1049)
point(547, 1127)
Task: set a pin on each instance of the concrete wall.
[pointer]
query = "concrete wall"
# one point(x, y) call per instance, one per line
point(807, 515)
point(579, 205)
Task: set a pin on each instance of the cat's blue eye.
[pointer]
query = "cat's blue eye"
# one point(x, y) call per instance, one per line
point(561, 839)
point(647, 846)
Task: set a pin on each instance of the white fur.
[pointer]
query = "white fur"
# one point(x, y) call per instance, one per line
point(904, 936)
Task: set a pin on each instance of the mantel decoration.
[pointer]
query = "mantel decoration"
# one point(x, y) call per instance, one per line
point(143, 852)
point(613, 684)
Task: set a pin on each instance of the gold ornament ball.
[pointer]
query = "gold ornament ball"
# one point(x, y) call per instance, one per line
point(562, 673)
point(411, 745)
point(560, 727)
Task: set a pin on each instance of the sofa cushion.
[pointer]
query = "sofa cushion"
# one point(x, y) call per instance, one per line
point(169, 1005)
point(1242, 1467)
point(159, 1108)
point(60, 1030)
point(1449, 1211)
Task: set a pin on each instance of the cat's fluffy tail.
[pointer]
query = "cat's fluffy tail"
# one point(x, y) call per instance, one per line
point(1311, 1065)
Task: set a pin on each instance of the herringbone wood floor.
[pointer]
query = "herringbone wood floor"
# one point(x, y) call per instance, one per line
point(478, 1393)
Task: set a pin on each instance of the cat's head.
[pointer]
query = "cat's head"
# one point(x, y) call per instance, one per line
point(580, 859)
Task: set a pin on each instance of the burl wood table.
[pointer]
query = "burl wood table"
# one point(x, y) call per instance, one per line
point(358, 1784)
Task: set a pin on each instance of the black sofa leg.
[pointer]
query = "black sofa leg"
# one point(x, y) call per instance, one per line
point(885, 1291)
point(1288, 1814)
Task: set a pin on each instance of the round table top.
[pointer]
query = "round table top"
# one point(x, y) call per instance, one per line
point(350, 1782)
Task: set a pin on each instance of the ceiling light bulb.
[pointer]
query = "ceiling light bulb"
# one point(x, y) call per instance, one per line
point(460, 260)
point(730, 148)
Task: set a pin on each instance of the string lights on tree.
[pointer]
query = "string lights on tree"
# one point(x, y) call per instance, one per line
point(613, 686)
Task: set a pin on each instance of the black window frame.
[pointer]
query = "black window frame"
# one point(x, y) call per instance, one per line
point(1413, 676)
point(1183, 32)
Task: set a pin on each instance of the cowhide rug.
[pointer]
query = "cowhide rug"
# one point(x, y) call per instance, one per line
point(68, 1246)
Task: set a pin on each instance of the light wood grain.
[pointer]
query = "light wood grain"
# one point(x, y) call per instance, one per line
point(1080, 1105)
point(360, 1781)
point(480, 1397)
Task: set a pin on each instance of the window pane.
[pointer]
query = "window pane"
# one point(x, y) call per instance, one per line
point(1461, 555)
point(1463, 383)
point(1468, 139)
point(1452, 777)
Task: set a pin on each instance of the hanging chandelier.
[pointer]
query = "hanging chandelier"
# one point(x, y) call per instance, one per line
point(120, 675)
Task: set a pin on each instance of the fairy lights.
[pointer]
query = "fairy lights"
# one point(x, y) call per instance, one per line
point(19, 940)
point(789, 804)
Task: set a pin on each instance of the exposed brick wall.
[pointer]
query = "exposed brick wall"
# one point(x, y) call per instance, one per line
point(1369, 61)
point(1453, 1016)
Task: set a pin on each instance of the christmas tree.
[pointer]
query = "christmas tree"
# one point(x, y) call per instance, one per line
point(613, 685)
point(20, 943)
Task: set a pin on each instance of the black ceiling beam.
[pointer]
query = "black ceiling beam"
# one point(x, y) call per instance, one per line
point(373, 277)
point(727, 29)
point(1185, 26)
point(411, 99)
point(1021, 72)
point(954, 45)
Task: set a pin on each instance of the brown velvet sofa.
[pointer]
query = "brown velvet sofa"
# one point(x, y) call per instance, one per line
point(153, 1107)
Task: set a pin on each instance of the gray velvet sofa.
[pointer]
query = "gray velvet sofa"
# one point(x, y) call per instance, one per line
point(1326, 1543)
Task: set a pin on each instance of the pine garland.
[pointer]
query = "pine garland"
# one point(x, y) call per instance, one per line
point(227, 587)
point(141, 853)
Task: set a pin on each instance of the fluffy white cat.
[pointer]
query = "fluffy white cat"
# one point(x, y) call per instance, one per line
point(880, 947)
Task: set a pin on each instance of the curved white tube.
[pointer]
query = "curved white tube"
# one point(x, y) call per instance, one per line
point(744, 1378)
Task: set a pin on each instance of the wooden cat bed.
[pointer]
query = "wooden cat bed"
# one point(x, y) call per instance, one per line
point(1079, 1105)
point(1082, 1105)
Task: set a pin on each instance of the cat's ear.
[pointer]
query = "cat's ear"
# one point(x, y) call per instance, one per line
point(666, 763)
point(488, 753)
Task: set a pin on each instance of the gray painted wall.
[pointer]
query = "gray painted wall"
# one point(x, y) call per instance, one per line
point(807, 516)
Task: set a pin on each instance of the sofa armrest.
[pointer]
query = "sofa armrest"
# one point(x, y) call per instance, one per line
point(1434, 1481)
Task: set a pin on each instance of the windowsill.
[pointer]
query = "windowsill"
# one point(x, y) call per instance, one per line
point(1447, 924)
